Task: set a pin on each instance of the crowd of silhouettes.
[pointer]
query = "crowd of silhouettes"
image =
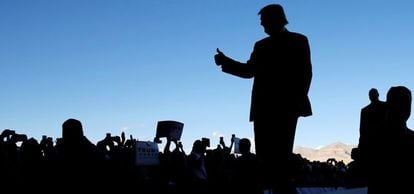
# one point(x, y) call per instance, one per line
point(73, 163)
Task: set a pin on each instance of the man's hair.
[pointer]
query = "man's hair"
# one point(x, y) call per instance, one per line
point(274, 11)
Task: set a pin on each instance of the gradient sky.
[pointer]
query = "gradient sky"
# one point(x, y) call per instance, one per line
point(124, 65)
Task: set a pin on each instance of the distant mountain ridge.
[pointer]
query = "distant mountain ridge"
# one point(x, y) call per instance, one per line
point(337, 150)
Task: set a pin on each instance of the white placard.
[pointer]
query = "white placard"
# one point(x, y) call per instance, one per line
point(147, 153)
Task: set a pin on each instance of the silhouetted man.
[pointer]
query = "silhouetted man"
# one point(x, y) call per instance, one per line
point(77, 159)
point(281, 67)
point(245, 170)
point(371, 135)
point(372, 118)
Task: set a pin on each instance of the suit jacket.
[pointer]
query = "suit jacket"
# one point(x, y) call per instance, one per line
point(372, 122)
point(282, 71)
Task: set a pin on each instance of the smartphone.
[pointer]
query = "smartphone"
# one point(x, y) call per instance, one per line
point(205, 141)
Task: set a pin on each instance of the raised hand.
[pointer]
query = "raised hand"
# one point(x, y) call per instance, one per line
point(219, 58)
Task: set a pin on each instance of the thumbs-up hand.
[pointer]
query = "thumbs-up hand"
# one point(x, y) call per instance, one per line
point(219, 58)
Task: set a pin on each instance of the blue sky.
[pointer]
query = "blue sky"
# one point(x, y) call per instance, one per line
point(124, 65)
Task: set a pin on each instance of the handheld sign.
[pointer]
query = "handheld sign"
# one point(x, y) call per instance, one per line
point(172, 129)
point(147, 154)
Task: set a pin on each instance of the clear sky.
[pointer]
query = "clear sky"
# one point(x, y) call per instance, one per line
point(124, 65)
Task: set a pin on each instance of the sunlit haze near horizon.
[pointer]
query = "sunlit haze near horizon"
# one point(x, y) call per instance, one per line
point(125, 65)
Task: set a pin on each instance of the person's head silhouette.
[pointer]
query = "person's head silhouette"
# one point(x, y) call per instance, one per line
point(373, 95)
point(244, 146)
point(399, 104)
point(198, 146)
point(273, 19)
point(72, 131)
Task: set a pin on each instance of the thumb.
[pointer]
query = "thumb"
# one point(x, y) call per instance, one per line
point(218, 51)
